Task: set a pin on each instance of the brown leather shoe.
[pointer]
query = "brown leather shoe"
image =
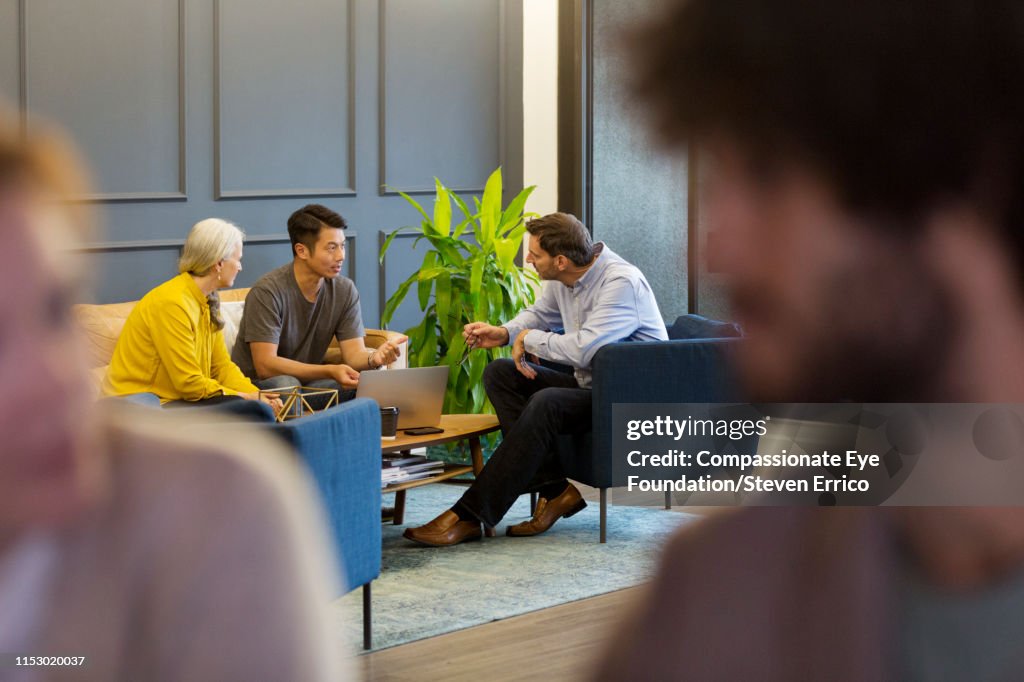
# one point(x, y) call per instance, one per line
point(443, 531)
point(549, 511)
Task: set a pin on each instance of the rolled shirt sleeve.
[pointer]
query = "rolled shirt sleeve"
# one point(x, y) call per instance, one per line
point(544, 314)
point(614, 317)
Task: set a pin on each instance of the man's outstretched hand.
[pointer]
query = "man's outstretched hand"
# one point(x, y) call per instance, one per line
point(483, 335)
point(387, 352)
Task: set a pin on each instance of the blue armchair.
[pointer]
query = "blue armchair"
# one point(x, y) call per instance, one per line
point(691, 367)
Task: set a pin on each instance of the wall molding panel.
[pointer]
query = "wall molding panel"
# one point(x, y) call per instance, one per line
point(224, 186)
point(28, 61)
point(424, 142)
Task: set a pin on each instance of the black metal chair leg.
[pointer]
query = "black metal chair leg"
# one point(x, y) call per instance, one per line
point(604, 514)
point(367, 618)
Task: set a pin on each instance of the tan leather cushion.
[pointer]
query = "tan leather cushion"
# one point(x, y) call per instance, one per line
point(102, 325)
point(228, 295)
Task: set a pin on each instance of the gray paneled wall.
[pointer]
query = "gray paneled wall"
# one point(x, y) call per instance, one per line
point(639, 195)
point(463, 154)
point(126, 82)
point(194, 108)
point(263, 94)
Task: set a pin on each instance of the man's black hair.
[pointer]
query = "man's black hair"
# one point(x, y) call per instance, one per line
point(305, 224)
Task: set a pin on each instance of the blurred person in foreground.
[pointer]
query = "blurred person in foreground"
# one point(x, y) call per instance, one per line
point(866, 180)
point(155, 552)
point(172, 344)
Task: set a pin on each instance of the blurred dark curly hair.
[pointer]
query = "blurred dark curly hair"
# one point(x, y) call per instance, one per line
point(901, 104)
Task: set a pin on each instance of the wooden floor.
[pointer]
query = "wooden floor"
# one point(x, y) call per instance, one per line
point(560, 643)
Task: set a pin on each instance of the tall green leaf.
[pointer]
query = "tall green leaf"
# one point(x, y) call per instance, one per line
point(415, 204)
point(442, 210)
point(391, 237)
point(448, 248)
point(428, 348)
point(461, 204)
point(495, 300)
point(514, 213)
point(477, 363)
point(443, 298)
point(517, 232)
point(477, 396)
point(490, 213)
point(506, 250)
point(460, 228)
point(476, 282)
point(396, 300)
point(425, 284)
point(478, 223)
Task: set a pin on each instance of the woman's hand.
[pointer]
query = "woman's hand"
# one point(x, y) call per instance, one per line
point(272, 399)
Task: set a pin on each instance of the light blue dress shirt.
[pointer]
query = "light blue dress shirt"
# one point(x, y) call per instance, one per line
point(611, 302)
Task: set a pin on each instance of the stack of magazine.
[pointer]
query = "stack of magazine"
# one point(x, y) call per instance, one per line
point(399, 468)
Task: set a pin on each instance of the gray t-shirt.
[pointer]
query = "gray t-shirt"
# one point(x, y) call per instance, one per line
point(277, 312)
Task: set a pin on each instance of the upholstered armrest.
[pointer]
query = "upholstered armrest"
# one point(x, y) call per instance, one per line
point(374, 339)
point(341, 447)
point(677, 371)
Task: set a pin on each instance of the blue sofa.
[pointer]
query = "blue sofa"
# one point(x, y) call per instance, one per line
point(341, 447)
point(691, 367)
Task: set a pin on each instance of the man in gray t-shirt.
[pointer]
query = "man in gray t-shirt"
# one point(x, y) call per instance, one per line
point(292, 314)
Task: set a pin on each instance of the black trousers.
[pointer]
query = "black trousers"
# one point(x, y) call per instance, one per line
point(532, 413)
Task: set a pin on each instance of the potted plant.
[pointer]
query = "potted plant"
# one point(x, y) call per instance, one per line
point(462, 281)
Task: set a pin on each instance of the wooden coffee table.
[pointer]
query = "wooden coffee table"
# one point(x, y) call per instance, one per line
point(457, 427)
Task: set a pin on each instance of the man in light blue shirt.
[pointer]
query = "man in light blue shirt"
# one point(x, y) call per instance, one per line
point(597, 298)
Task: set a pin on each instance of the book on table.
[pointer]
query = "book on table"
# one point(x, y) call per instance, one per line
point(398, 460)
point(411, 472)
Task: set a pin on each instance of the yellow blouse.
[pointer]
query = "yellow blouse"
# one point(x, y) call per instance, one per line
point(168, 347)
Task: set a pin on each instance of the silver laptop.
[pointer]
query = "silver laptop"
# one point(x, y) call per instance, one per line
point(417, 392)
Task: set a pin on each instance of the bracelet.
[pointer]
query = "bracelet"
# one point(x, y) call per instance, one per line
point(369, 359)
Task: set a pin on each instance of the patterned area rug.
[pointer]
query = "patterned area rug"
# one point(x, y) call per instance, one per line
point(424, 592)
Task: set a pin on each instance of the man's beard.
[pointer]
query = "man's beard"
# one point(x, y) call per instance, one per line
point(880, 334)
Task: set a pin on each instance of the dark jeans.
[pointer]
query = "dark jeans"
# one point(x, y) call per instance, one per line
point(532, 413)
point(204, 402)
point(228, 405)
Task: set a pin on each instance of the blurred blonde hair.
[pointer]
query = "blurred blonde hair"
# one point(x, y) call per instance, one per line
point(45, 161)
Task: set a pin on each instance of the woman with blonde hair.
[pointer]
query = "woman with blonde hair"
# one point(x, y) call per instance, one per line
point(172, 344)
